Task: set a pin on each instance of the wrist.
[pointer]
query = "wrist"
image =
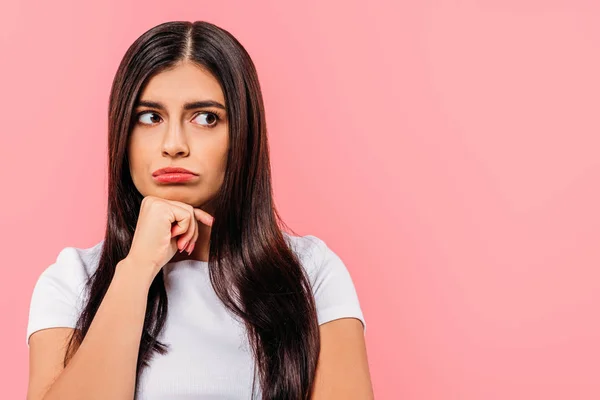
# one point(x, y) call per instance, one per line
point(131, 270)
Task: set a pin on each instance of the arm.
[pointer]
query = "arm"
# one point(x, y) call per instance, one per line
point(104, 366)
point(342, 369)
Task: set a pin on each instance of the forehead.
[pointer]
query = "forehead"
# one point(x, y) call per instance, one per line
point(184, 82)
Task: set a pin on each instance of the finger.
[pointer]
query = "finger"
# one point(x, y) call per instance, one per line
point(192, 244)
point(181, 218)
point(200, 214)
point(180, 228)
point(186, 238)
point(192, 233)
point(204, 217)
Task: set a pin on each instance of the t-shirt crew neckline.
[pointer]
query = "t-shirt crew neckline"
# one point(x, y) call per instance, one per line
point(187, 263)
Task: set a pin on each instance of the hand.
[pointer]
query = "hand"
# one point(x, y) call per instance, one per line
point(163, 227)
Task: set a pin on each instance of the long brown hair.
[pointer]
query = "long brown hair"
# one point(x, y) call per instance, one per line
point(252, 270)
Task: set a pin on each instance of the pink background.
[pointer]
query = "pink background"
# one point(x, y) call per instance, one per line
point(446, 150)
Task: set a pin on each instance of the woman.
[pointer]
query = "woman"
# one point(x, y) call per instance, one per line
point(195, 291)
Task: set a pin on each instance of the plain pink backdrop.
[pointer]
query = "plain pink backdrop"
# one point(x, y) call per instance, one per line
point(446, 150)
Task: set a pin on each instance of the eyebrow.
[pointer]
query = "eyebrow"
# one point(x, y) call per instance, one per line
point(187, 106)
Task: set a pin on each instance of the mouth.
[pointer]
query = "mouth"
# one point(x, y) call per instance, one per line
point(172, 170)
point(174, 177)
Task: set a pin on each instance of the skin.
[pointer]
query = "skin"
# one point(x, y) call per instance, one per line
point(343, 367)
point(170, 136)
point(195, 140)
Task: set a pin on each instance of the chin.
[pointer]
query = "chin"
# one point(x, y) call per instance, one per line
point(179, 193)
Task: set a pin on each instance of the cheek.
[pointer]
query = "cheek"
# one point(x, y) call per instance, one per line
point(215, 161)
point(215, 164)
point(135, 155)
point(214, 149)
point(224, 153)
point(134, 171)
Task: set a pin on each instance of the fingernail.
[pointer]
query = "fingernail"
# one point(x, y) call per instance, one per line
point(190, 248)
point(183, 247)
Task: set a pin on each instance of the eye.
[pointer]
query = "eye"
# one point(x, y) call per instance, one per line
point(142, 118)
point(210, 118)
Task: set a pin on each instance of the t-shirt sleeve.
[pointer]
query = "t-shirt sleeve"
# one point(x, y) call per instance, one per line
point(55, 301)
point(333, 288)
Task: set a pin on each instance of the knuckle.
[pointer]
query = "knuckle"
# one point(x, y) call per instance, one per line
point(148, 201)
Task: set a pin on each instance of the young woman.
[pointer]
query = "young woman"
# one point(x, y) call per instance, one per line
point(195, 291)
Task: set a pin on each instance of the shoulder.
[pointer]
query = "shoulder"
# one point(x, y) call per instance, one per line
point(316, 256)
point(59, 292)
point(332, 285)
point(73, 265)
point(308, 248)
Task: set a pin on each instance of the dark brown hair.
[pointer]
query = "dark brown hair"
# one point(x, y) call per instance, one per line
point(252, 270)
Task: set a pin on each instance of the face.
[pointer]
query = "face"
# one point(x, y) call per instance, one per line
point(180, 121)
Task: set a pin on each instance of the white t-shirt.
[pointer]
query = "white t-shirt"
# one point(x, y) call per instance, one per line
point(209, 355)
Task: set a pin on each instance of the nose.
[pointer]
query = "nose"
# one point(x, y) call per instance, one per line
point(175, 141)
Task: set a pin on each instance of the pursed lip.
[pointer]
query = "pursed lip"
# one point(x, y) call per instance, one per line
point(172, 170)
